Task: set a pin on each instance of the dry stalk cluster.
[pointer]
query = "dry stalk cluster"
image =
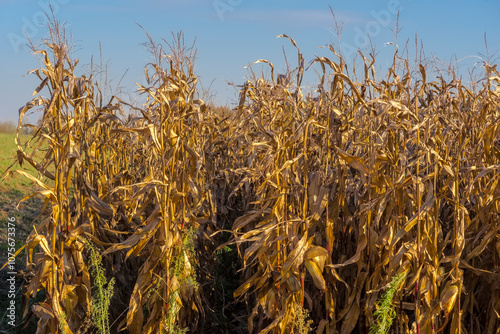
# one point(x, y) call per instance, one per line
point(327, 197)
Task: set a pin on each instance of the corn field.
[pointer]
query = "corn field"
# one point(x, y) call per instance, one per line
point(292, 213)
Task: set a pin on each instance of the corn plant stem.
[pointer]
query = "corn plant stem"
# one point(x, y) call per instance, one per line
point(306, 177)
point(457, 237)
point(435, 230)
point(165, 209)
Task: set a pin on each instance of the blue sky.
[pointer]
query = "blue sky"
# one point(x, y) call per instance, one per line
point(231, 34)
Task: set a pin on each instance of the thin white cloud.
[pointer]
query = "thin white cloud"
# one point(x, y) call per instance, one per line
point(101, 8)
point(304, 18)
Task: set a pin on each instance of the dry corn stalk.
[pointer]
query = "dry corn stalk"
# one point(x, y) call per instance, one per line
point(362, 182)
point(329, 195)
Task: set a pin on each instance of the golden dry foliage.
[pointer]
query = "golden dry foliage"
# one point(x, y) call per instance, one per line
point(329, 195)
point(134, 186)
point(364, 181)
